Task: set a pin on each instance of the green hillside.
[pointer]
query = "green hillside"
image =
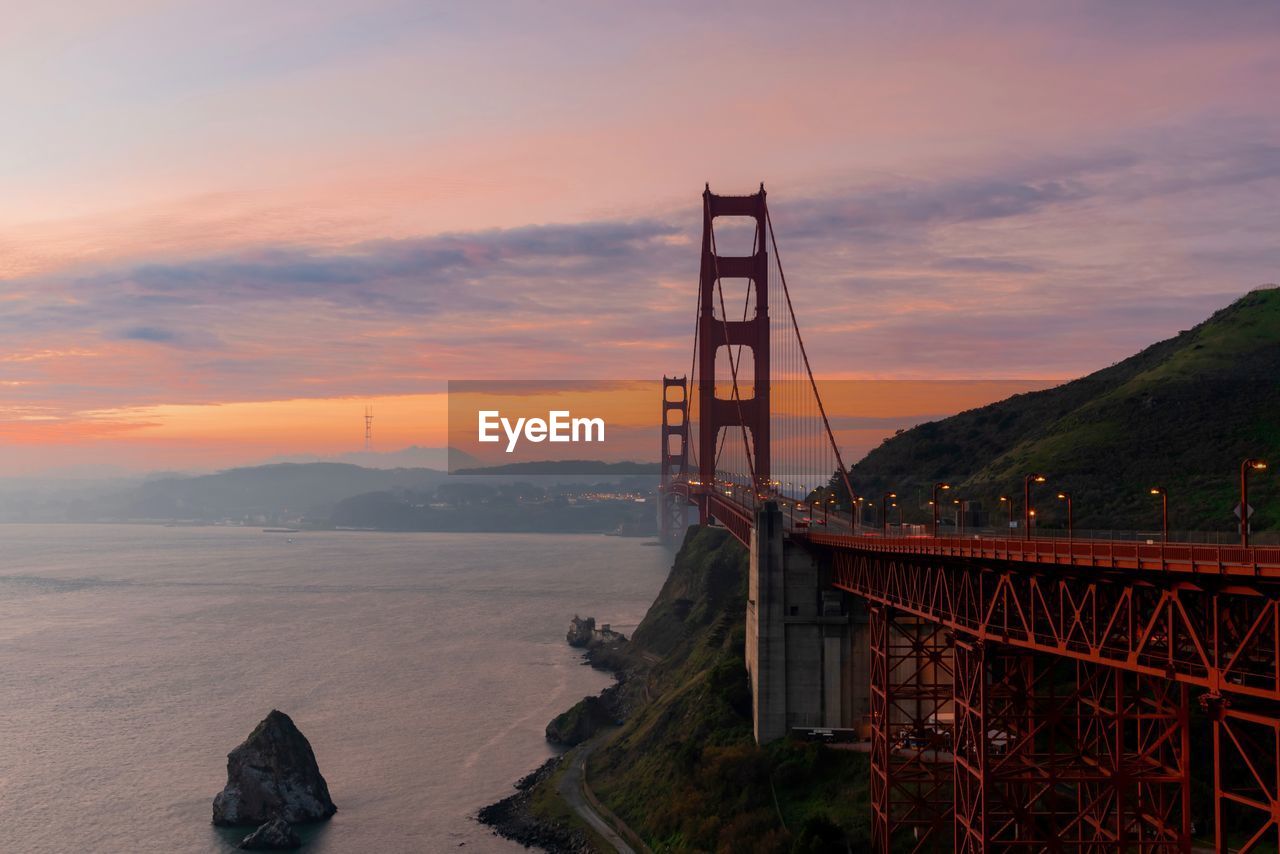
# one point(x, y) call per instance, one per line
point(684, 771)
point(1182, 414)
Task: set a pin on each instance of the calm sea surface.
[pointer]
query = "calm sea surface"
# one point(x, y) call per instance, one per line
point(422, 667)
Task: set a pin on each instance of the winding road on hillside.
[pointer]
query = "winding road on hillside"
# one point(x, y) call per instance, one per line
point(571, 792)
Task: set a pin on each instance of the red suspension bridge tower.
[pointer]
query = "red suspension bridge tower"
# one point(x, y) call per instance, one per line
point(722, 338)
point(674, 455)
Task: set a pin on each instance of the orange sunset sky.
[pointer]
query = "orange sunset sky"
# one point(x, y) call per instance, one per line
point(226, 228)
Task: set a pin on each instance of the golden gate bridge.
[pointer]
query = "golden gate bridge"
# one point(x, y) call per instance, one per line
point(1024, 692)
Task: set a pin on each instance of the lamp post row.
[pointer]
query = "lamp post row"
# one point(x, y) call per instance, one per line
point(1028, 514)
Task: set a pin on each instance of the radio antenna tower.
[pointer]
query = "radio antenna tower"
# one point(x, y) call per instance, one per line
point(368, 428)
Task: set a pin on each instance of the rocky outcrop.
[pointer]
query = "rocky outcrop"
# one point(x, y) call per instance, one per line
point(275, 835)
point(584, 720)
point(580, 631)
point(584, 634)
point(273, 775)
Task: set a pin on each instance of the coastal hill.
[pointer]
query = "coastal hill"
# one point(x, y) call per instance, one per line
point(1181, 414)
point(684, 771)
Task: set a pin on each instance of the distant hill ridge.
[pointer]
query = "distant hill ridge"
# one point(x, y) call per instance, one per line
point(1182, 414)
point(282, 492)
point(275, 488)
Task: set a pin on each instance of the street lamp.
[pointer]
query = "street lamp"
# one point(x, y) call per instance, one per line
point(1066, 496)
point(1027, 512)
point(857, 513)
point(1245, 467)
point(884, 512)
point(1008, 502)
point(1164, 511)
point(959, 502)
point(934, 502)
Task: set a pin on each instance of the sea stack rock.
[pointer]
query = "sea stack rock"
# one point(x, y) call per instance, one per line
point(275, 835)
point(273, 774)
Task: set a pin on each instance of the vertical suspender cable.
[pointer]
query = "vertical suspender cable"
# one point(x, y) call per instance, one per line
point(844, 473)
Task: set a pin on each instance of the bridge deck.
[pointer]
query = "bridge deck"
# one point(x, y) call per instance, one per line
point(1252, 562)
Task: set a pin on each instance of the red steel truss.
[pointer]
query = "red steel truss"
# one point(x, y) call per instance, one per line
point(1204, 633)
point(1134, 730)
point(1081, 684)
point(1053, 756)
point(713, 504)
point(1246, 753)
point(911, 684)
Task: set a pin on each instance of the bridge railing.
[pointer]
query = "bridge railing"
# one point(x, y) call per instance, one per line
point(1150, 537)
point(1102, 554)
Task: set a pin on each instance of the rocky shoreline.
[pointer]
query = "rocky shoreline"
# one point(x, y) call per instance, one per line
point(513, 817)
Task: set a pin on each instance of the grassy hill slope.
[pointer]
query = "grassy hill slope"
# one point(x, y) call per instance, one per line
point(1182, 414)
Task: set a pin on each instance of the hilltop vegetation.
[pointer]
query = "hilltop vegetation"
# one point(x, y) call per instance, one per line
point(1182, 414)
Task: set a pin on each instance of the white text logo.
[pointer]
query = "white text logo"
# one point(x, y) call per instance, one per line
point(558, 426)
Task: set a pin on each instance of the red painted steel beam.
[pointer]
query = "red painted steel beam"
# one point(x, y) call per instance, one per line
point(911, 694)
point(1223, 639)
point(1181, 558)
point(971, 764)
point(1246, 747)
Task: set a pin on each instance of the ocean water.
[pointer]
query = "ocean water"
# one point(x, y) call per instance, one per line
point(422, 667)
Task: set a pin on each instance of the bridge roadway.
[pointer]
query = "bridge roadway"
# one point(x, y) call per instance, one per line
point(1204, 615)
point(1253, 562)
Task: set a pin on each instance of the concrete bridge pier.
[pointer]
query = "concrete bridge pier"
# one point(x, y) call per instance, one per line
point(807, 647)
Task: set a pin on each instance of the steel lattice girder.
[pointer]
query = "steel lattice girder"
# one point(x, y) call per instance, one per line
point(1220, 637)
point(1136, 730)
point(1246, 749)
point(911, 691)
point(1089, 758)
point(970, 748)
